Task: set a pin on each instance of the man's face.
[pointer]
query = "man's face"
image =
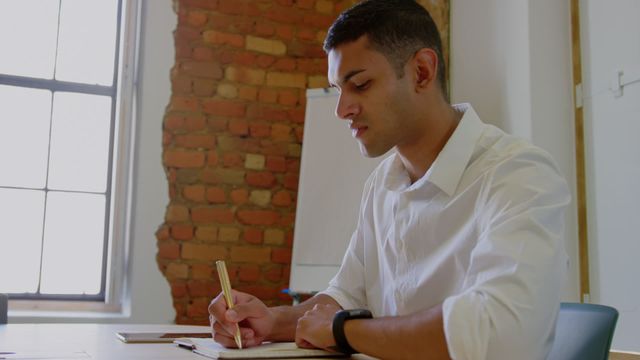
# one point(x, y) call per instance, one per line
point(377, 104)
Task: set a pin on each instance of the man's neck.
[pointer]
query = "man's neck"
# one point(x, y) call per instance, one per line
point(418, 156)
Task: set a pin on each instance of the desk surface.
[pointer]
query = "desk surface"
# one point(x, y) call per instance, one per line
point(97, 340)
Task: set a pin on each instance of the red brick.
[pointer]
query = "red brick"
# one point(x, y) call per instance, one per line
point(288, 97)
point(284, 32)
point(195, 123)
point(262, 179)
point(196, 141)
point(204, 87)
point(182, 232)
point(250, 254)
point(285, 64)
point(206, 69)
point(262, 292)
point(297, 115)
point(258, 217)
point(267, 95)
point(199, 308)
point(317, 20)
point(259, 130)
point(205, 288)
point(186, 34)
point(217, 124)
point(200, 4)
point(264, 61)
point(299, 132)
point(293, 165)
point(245, 58)
point(202, 54)
point(282, 198)
point(239, 196)
point(173, 122)
point(268, 113)
point(181, 85)
point(212, 215)
point(183, 50)
point(232, 160)
point(212, 158)
point(280, 132)
point(239, 127)
point(201, 271)
point(197, 18)
point(194, 193)
point(168, 250)
point(306, 34)
point(183, 103)
point(178, 288)
point(274, 274)
point(224, 108)
point(263, 29)
point(191, 251)
point(222, 38)
point(235, 7)
point(281, 256)
point(253, 236)
point(291, 181)
point(289, 16)
point(249, 93)
point(177, 213)
point(162, 233)
point(276, 163)
point(305, 4)
point(216, 195)
point(183, 159)
point(167, 138)
point(287, 219)
point(250, 273)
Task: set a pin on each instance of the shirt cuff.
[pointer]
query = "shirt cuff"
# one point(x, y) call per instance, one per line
point(466, 327)
point(345, 301)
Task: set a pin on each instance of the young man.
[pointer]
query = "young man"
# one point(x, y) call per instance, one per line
point(458, 251)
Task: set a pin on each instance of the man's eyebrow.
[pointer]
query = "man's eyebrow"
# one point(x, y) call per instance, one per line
point(348, 76)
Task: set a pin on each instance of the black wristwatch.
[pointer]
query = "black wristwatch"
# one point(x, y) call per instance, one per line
point(338, 327)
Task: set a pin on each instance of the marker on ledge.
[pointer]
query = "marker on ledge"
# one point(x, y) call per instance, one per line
point(226, 290)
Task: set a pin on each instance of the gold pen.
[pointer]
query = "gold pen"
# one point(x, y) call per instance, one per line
point(226, 290)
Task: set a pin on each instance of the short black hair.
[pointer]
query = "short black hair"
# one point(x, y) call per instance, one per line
point(395, 28)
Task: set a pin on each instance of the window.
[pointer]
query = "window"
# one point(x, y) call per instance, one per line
point(65, 104)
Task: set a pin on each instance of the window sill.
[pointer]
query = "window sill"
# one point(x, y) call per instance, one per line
point(31, 311)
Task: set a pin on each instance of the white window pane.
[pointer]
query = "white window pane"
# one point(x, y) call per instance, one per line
point(73, 243)
point(21, 213)
point(79, 142)
point(86, 47)
point(25, 117)
point(28, 31)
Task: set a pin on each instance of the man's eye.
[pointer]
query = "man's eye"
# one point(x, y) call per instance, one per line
point(363, 86)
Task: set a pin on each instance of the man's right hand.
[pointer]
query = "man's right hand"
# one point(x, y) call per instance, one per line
point(254, 318)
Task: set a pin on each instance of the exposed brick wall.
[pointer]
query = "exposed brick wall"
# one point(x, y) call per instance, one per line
point(232, 141)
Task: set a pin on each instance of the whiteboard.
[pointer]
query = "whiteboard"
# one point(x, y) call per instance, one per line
point(610, 34)
point(332, 174)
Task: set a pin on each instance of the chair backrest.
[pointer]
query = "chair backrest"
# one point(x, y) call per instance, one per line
point(583, 331)
point(4, 308)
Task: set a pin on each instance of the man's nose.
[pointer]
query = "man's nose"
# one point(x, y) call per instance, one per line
point(347, 108)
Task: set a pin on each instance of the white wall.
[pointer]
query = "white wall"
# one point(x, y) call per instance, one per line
point(512, 61)
point(150, 293)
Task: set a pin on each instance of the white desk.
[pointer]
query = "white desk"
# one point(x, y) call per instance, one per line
point(97, 340)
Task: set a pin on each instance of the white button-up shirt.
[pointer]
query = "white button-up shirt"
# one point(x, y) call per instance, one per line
point(481, 233)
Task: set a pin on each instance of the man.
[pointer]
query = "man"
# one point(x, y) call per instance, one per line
point(458, 250)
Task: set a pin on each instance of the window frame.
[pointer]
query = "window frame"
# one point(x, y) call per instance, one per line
point(112, 295)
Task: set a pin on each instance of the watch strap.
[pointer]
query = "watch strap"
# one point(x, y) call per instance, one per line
point(338, 327)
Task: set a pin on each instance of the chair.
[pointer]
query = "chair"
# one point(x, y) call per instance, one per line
point(4, 306)
point(583, 331)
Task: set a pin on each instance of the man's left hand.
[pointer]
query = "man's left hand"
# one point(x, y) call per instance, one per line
point(314, 328)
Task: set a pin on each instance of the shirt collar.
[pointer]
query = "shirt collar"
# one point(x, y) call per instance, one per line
point(446, 171)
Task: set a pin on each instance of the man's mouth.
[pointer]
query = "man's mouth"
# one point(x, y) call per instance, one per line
point(357, 130)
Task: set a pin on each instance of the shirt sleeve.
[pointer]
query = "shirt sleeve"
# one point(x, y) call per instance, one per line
point(518, 267)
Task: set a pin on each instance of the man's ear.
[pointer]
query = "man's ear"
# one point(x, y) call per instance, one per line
point(425, 67)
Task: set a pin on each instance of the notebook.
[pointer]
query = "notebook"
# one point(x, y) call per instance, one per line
point(284, 350)
point(156, 337)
